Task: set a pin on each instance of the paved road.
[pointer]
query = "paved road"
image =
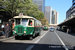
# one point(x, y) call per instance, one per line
point(12, 44)
point(47, 41)
point(56, 41)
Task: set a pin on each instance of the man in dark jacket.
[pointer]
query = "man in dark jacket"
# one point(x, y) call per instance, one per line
point(0, 30)
point(10, 24)
point(7, 30)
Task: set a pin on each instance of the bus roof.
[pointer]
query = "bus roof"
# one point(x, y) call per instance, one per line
point(27, 17)
point(22, 17)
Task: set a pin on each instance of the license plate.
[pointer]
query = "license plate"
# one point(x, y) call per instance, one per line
point(19, 33)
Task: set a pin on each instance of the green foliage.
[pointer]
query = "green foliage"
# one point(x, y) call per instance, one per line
point(0, 2)
point(27, 7)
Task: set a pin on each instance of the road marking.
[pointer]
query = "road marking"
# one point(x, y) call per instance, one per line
point(30, 47)
point(61, 42)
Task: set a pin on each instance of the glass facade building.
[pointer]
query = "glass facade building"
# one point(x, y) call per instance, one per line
point(41, 4)
point(48, 13)
point(73, 2)
point(54, 18)
point(71, 10)
point(51, 15)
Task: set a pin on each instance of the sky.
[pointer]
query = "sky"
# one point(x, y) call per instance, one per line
point(60, 6)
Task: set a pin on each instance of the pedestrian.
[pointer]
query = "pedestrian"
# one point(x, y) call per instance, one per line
point(10, 24)
point(7, 30)
point(2, 28)
point(70, 29)
point(67, 30)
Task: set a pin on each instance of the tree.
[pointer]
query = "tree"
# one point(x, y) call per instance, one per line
point(12, 6)
point(0, 2)
point(27, 7)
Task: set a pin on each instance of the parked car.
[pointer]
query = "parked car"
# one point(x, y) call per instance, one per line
point(52, 29)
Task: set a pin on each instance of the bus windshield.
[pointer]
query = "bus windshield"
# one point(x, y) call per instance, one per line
point(24, 22)
point(17, 21)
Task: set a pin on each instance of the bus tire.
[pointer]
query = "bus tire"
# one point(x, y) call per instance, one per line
point(39, 34)
point(33, 35)
point(30, 38)
point(16, 37)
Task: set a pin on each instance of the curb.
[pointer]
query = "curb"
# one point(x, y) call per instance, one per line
point(6, 38)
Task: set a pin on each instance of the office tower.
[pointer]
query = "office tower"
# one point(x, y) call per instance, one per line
point(71, 10)
point(48, 13)
point(51, 15)
point(54, 18)
point(41, 4)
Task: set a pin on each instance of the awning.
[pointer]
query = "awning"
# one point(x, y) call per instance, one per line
point(68, 22)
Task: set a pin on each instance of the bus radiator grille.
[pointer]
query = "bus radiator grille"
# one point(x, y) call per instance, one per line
point(19, 29)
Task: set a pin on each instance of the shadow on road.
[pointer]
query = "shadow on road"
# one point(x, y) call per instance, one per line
point(70, 33)
point(73, 34)
point(24, 46)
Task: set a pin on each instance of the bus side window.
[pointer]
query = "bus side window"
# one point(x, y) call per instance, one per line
point(30, 23)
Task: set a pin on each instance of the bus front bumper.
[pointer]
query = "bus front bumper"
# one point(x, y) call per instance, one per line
point(19, 35)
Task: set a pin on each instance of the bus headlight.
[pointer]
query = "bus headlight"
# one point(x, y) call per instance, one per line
point(15, 31)
point(24, 31)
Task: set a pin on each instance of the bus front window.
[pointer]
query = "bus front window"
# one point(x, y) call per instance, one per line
point(24, 22)
point(17, 21)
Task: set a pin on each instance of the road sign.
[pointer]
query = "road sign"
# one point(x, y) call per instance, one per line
point(21, 14)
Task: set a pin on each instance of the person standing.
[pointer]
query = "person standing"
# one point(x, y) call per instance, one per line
point(7, 30)
point(67, 30)
point(10, 24)
point(2, 28)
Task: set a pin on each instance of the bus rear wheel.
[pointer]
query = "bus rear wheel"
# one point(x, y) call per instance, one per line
point(34, 35)
point(39, 34)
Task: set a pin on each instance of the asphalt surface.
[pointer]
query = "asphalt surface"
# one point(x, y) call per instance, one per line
point(47, 41)
point(51, 42)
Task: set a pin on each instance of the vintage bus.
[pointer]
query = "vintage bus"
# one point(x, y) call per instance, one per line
point(45, 28)
point(26, 26)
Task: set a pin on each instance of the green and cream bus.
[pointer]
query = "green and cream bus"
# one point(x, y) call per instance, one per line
point(26, 26)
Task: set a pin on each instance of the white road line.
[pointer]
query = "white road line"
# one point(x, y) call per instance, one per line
point(30, 47)
point(61, 41)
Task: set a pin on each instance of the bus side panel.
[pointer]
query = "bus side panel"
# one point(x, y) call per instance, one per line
point(37, 29)
point(29, 30)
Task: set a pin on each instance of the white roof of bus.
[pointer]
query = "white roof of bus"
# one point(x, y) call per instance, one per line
point(26, 17)
point(37, 20)
point(23, 17)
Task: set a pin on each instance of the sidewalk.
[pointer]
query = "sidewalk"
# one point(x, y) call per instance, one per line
point(2, 38)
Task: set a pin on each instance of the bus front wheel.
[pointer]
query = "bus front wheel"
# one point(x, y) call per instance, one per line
point(16, 37)
point(30, 37)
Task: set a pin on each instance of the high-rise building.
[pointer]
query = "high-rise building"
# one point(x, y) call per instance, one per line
point(71, 10)
point(54, 19)
point(57, 16)
point(51, 15)
point(41, 4)
point(48, 12)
